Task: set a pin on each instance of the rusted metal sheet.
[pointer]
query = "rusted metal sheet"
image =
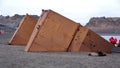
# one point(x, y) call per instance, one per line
point(86, 40)
point(55, 33)
point(24, 31)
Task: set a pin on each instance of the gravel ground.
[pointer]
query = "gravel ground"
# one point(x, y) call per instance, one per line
point(16, 57)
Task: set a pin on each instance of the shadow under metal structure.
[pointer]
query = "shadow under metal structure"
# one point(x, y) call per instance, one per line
point(56, 33)
point(24, 31)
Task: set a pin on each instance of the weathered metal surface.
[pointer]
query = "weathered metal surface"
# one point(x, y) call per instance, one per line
point(88, 41)
point(24, 31)
point(55, 33)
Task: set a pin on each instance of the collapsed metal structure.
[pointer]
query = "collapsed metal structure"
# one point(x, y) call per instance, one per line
point(56, 33)
point(24, 31)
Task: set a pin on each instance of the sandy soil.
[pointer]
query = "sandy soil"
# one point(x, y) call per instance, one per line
point(15, 57)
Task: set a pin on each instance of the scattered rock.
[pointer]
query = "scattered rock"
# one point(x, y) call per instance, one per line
point(97, 54)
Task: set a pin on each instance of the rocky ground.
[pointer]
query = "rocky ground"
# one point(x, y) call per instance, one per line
point(15, 57)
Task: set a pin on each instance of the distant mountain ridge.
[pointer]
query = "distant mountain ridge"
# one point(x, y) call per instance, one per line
point(101, 25)
point(105, 25)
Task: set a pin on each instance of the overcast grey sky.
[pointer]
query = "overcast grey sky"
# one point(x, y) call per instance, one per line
point(77, 10)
